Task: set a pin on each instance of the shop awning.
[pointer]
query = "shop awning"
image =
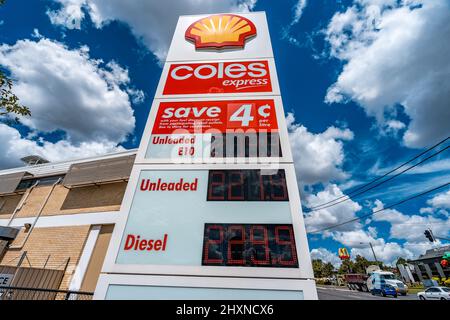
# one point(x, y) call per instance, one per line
point(99, 172)
point(9, 182)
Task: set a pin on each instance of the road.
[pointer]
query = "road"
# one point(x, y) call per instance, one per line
point(342, 293)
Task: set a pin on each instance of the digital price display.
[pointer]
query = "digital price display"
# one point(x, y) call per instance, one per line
point(249, 245)
point(222, 217)
point(246, 185)
point(246, 145)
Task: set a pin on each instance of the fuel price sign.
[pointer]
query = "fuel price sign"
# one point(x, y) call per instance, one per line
point(211, 218)
point(205, 130)
point(212, 207)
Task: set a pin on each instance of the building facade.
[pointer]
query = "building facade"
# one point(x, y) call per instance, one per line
point(56, 220)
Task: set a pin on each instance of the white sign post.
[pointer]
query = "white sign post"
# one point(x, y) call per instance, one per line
point(212, 208)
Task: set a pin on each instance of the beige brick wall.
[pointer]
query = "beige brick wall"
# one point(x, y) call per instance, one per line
point(58, 242)
point(107, 197)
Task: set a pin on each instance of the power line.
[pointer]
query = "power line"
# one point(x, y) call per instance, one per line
point(422, 223)
point(380, 210)
point(381, 177)
point(380, 183)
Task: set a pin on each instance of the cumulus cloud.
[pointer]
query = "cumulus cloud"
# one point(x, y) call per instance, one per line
point(87, 101)
point(14, 147)
point(358, 238)
point(359, 241)
point(388, 252)
point(66, 90)
point(441, 200)
point(394, 53)
point(316, 220)
point(406, 237)
point(318, 157)
point(153, 22)
point(326, 256)
point(410, 227)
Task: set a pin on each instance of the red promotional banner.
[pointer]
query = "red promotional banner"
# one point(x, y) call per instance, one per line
point(218, 77)
point(200, 116)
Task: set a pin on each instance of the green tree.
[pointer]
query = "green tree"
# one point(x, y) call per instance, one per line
point(9, 102)
point(327, 270)
point(347, 266)
point(317, 265)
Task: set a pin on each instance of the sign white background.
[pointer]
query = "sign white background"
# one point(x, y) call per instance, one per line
point(183, 214)
point(257, 47)
point(304, 271)
point(133, 277)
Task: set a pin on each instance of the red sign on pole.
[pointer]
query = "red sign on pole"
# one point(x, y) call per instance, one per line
point(218, 77)
point(200, 116)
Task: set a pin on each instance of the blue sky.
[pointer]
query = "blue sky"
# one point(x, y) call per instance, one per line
point(364, 84)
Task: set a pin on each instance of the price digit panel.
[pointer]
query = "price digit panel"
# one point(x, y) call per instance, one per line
point(246, 185)
point(249, 245)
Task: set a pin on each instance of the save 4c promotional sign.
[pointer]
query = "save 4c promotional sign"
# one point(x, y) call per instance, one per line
point(212, 207)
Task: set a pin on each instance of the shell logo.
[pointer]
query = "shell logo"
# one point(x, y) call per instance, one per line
point(221, 31)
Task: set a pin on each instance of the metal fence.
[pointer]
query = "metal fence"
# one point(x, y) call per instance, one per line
point(19, 293)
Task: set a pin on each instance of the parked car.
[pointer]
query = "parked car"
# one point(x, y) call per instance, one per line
point(435, 293)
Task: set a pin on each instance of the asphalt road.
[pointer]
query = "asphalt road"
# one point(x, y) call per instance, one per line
point(341, 293)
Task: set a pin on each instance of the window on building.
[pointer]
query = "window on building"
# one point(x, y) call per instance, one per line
point(43, 181)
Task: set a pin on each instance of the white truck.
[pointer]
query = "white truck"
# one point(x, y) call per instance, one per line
point(380, 282)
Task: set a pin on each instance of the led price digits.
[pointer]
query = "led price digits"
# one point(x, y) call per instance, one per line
point(246, 185)
point(249, 245)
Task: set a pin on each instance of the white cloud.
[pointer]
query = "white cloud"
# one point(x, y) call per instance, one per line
point(14, 147)
point(298, 10)
point(85, 101)
point(318, 157)
point(442, 200)
point(326, 256)
point(358, 241)
point(316, 220)
point(420, 247)
point(388, 253)
point(151, 21)
point(395, 53)
point(66, 90)
point(410, 227)
point(358, 238)
point(436, 166)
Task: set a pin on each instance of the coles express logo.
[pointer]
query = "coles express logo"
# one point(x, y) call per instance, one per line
point(218, 77)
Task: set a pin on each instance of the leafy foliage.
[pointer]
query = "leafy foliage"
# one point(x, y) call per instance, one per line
point(359, 265)
point(9, 102)
point(321, 269)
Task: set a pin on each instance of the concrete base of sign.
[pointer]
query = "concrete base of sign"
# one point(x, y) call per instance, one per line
point(145, 287)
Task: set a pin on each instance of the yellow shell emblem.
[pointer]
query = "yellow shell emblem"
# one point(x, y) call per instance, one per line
point(220, 31)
